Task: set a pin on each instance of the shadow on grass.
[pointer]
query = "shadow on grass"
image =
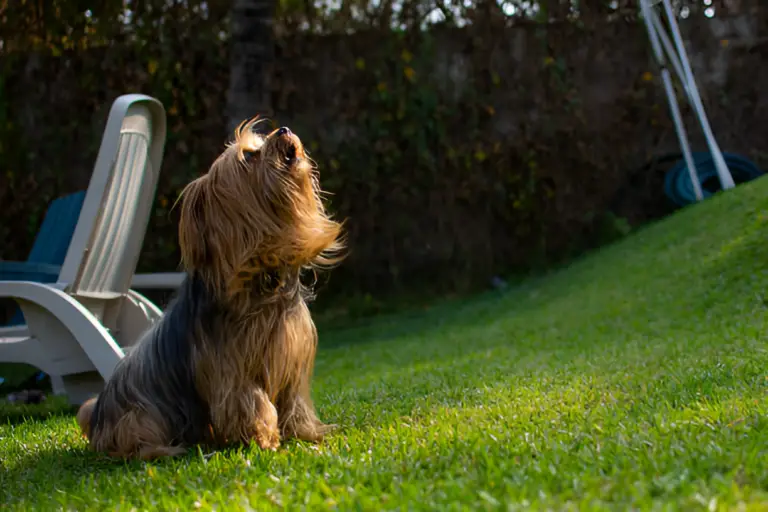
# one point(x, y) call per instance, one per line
point(36, 479)
point(71, 462)
point(15, 414)
point(46, 474)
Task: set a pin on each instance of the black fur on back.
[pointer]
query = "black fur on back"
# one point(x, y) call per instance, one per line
point(160, 369)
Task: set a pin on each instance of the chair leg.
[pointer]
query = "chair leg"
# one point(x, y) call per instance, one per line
point(81, 386)
point(57, 385)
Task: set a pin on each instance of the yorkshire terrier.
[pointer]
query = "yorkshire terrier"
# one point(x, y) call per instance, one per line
point(232, 358)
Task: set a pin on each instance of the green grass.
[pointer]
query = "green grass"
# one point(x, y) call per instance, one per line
point(636, 378)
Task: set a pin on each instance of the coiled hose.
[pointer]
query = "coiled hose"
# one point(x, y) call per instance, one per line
point(677, 182)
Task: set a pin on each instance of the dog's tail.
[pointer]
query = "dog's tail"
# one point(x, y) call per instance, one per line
point(84, 415)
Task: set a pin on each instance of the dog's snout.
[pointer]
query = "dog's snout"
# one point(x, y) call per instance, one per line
point(283, 131)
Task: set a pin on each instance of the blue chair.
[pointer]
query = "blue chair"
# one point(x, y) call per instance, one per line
point(51, 243)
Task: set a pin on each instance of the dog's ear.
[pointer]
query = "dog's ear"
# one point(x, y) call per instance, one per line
point(192, 226)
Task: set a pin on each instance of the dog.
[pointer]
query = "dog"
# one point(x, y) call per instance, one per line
point(232, 358)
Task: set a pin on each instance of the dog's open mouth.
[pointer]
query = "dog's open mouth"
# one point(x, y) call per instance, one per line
point(287, 145)
point(290, 154)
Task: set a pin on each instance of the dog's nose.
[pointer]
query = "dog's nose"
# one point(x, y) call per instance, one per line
point(283, 131)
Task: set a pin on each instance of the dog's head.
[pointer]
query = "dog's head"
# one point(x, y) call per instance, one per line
point(258, 209)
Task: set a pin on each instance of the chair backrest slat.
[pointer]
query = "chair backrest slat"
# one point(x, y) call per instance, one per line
point(103, 255)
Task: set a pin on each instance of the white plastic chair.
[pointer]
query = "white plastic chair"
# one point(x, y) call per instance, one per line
point(78, 328)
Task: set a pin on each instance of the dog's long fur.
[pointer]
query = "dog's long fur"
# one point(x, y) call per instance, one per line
point(232, 358)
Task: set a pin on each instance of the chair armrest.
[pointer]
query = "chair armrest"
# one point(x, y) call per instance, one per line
point(158, 281)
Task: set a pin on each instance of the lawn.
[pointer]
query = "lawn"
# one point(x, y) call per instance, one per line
point(636, 378)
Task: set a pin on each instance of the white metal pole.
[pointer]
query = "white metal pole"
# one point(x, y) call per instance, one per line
point(726, 180)
point(674, 108)
point(682, 135)
point(671, 53)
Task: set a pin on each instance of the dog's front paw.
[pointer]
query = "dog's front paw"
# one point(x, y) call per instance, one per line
point(267, 437)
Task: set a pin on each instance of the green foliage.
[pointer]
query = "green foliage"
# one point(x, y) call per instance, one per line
point(633, 380)
point(420, 165)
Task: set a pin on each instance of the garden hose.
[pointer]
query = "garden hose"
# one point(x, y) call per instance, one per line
point(677, 182)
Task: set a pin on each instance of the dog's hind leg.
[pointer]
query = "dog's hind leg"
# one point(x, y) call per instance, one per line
point(137, 434)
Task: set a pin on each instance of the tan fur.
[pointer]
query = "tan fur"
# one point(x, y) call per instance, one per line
point(275, 221)
point(248, 227)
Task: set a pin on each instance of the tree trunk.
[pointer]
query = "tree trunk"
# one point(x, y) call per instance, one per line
point(250, 65)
